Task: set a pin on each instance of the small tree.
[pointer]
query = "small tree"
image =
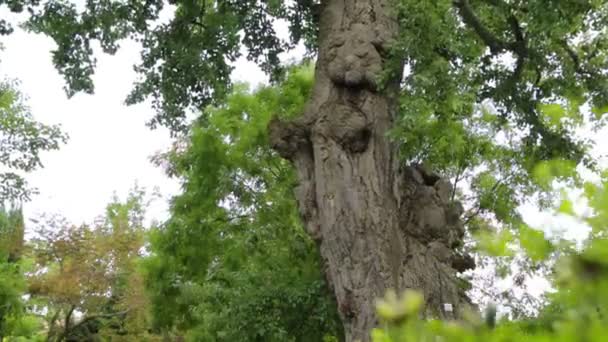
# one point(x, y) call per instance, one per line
point(86, 274)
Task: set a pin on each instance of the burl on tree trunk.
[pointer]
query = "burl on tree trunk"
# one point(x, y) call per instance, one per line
point(378, 223)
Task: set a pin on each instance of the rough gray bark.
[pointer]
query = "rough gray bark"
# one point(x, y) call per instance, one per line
point(378, 224)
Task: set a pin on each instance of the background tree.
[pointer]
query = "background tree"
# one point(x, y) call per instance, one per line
point(12, 281)
point(22, 139)
point(87, 276)
point(378, 222)
point(232, 262)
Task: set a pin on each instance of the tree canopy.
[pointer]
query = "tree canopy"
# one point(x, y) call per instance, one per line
point(529, 72)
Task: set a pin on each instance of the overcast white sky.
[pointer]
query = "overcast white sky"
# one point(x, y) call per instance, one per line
point(109, 144)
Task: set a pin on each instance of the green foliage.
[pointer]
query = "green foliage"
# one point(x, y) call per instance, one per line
point(534, 243)
point(21, 141)
point(88, 278)
point(519, 71)
point(12, 280)
point(495, 244)
point(575, 311)
point(11, 234)
point(185, 63)
point(233, 262)
point(496, 98)
point(27, 327)
point(12, 287)
point(495, 88)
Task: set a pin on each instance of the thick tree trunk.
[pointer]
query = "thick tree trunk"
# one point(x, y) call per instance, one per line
point(378, 224)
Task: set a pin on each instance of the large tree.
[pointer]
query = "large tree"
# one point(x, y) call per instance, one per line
point(378, 222)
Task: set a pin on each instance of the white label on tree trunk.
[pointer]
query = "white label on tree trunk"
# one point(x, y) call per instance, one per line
point(447, 307)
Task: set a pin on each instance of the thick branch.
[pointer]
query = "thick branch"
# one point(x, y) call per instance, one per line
point(519, 46)
point(496, 45)
point(98, 316)
point(289, 138)
point(469, 17)
point(66, 324)
point(292, 141)
point(576, 61)
point(51, 330)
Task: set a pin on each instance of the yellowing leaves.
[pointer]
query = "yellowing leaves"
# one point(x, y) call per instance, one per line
point(393, 308)
point(93, 269)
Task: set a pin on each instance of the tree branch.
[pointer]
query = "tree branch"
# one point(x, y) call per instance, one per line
point(66, 324)
point(469, 17)
point(51, 330)
point(478, 210)
point(576, 61)
point(459, 172)
point(519, 46)
point(513, 78)
point(98, 316)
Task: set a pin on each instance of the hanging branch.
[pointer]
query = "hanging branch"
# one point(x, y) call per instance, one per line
point(518, 46)
point(469, 17)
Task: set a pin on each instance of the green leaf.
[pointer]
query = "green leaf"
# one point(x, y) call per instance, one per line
point(495, 244)
point(554, 113)
point(534, 243)
point(599, 112)
point(566, 207)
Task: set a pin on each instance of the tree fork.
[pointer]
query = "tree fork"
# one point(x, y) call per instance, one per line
point(378, 224)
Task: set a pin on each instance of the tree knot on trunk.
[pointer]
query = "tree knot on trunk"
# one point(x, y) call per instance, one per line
point(462, 262)
point(425, 174)
point(347, 125)
point(355, 59)
point(429, 215)
point(289, 138)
